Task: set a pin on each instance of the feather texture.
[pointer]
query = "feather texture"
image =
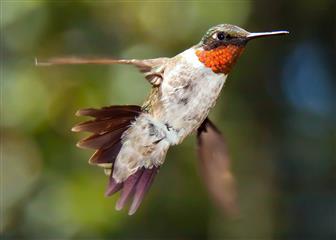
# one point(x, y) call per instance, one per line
point(107, 129)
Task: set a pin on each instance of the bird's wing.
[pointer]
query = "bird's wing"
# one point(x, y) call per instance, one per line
point(152, 68)
point(123, 140)
point(215, 167)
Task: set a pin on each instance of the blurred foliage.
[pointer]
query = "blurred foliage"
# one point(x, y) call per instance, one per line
point(277, 112)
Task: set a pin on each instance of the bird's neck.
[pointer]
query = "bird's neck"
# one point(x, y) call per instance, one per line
point(220, 59)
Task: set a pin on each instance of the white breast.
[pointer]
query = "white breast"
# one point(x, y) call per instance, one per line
point(189, 91)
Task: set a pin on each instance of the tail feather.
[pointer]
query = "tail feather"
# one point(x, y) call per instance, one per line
point(113, 187)
point(128, 189)
point(135, 188)
point(107, 128)
point(141, 188)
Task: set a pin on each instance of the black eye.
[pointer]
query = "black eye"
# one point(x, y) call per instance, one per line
point(221, 36)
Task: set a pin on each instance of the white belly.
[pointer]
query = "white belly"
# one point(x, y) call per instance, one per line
point(189, 91)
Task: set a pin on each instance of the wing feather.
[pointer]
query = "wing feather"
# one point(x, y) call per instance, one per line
point(152, 68)
point(215, 167)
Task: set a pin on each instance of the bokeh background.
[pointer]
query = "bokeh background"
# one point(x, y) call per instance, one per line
point(277, 112)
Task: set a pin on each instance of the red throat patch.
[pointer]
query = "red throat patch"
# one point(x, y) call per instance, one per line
point(220, 59)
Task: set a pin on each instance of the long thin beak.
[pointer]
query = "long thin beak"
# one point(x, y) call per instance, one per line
point(266, 34)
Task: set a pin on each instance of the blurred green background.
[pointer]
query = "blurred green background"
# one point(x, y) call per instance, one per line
point(277, 112)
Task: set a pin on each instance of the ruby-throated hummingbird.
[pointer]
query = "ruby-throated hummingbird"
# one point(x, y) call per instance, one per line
point(131, 141)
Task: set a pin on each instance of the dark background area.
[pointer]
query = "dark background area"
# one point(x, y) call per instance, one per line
point(277, 112)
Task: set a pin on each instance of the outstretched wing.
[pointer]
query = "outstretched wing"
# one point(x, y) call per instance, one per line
point(152, 68)
point(107, 128)
point(215, 167)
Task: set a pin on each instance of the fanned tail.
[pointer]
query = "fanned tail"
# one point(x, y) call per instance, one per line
point(107, 128)
point(134, 187)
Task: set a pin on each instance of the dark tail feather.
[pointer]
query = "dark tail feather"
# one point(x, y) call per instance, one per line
point(133, 188)
point(141, 188)
point(113, 187)
point(128, 188)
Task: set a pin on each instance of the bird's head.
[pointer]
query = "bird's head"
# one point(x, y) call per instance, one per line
point(222, 45)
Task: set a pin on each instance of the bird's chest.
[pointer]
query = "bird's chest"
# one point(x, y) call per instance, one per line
point(189, 91)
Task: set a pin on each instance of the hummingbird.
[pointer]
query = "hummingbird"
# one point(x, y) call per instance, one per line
point(131, 141)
